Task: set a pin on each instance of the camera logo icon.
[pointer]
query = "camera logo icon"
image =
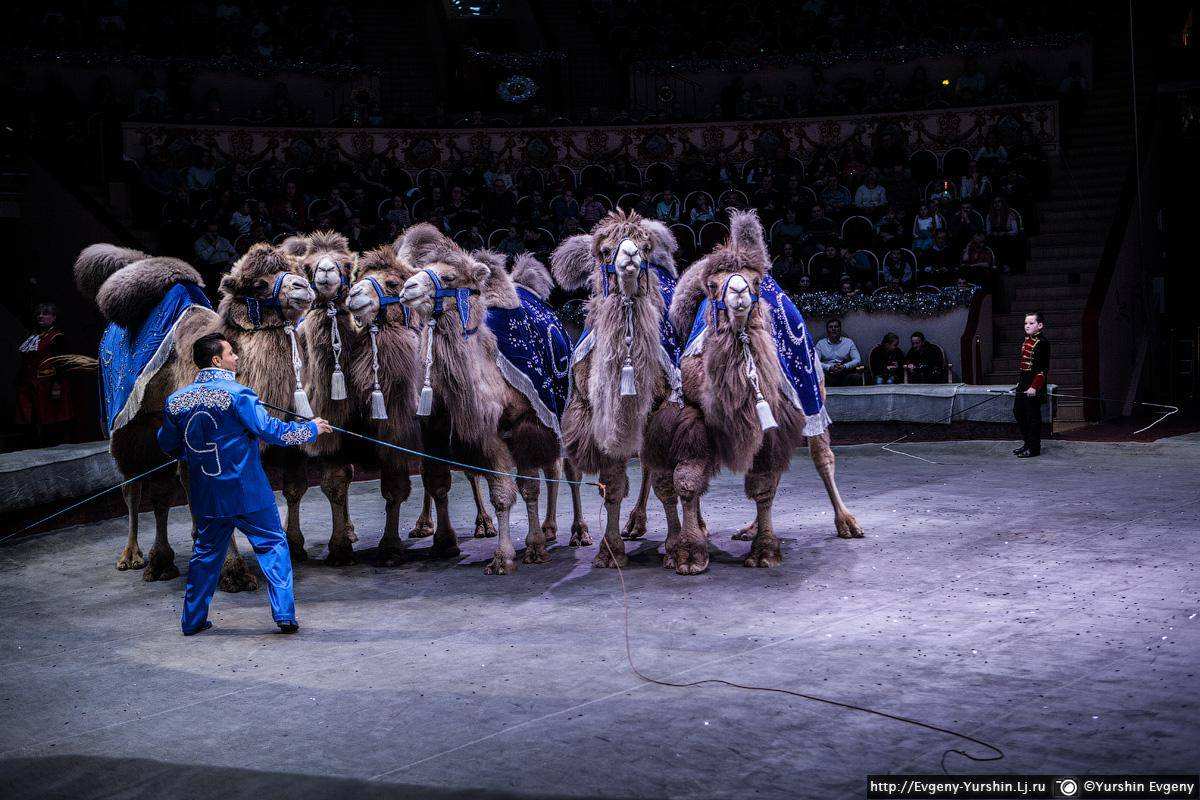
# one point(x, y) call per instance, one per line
point(1067, 787)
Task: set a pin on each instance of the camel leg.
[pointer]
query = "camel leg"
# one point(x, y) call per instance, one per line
point(484, 527)
point(550, 527)
point(691, 547)
point(295, 484)
point(535, 539)
point(635, 526)
point(664, 490)
point(235, 575)
point(616, 487)
point(579, 529)
point(131, 557)
point(161, 564)
point(335, 484)
point(761, 488)
point(395, 486)
point(436, 477)
point(424, 525)
point(822, 456)
point(503, 495)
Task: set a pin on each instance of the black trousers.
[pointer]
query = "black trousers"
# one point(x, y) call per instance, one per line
point(1028, 413)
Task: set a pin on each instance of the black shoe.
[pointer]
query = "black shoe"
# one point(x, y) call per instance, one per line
point(1028, 454)
point(201, 629)
point(288, 626)
point(1019, 449)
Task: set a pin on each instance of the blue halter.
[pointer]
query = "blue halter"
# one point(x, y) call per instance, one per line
point(718, 305)
point(386, 300)
point(255, 306)
point(607, 269)
point(461, 298)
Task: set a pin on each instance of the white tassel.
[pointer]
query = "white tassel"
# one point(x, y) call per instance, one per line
point(300, 403)
point(628, 384)
point(425, 402)
point(337, 385)
point(378, 406)
point(765, 417)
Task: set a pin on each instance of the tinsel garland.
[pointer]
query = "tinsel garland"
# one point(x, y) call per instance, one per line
point(824, 305)
point(514, 61)
point(897, 54)
point(98, 59)
point(516, 88)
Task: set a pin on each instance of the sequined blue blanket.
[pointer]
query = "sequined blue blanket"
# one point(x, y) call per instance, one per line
point(131, 357)
point(534, 355)
point(794, 346)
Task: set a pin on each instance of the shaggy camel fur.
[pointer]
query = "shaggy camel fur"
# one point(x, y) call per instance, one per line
point(603, 428)
point(126, 284)
point(477, 417)
point(719, 425)
point(328, 265)
point(397, 341)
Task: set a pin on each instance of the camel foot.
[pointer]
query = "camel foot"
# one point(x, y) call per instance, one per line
point(848, 527)
point(746, 532)
point(161, 566)
point(484, 527)
point(766, 555)
point(391, 552)
point(422, 528)
point(668, 559)
point(341, 553)
point(610, 558)
point(445, 546)
point(550, 531)
point(131, 558)
point(635, 526)
point(579, 535)
point(691, 558)
point(236, 577)
point(535, 554)
point(500, 565)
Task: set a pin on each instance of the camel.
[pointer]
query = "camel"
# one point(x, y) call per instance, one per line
point(741, 410)
point(624, 368)
point(331, 342)
point(472, 412)
point(387, 360)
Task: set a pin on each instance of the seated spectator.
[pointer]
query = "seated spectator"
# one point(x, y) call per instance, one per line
point(992, 155)
point(890, 228)
point(964, 223)
point(847, 289)
point(667, 207)
point(938, 263)
point(838, 354)
point(871, 196)
point(701, 213)
point(564, 205)
point(514, 241)
point(827, 267)
point(397, 214)
point(786, 268)
point(242, 219)
point(835, 196)
point(592, 210)
point(898, 268)
point(924, 362)
point(202, 177)
point(978, 263)
point(213, 252)
point(887, 361)
point(499, 206)
point(973, 185)
point(863, 267)
point(724, 173)
point(1003, 232)
point(925, 227)
point(820, 226)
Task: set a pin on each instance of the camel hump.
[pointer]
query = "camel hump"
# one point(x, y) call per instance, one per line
point(132, 292)
point(97, 262)
point(533, 275)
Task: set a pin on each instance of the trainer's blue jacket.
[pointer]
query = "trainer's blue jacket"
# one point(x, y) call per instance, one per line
point(214, 425)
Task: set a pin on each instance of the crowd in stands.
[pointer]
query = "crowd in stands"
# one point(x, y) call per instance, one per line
point(887, 362)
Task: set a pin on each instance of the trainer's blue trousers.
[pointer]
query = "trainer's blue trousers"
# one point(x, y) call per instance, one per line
point(269, 541)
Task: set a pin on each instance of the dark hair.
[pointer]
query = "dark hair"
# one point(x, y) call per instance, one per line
point(918, 333)
point(890, 337)
point(206, 348)
point(1036, 315)
point(832, 320)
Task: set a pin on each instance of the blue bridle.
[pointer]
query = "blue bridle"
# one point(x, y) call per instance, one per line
point(255, 306)
point(461, 298)
point(718, 305)
point(610, 268)
point(386, 300)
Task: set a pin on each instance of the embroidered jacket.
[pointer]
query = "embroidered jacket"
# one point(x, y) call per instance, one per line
point(214, 425)
point(1033, 364)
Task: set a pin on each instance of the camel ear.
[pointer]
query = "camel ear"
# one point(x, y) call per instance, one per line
point(663, 243)
point(228, 287)
point(479, 272)
point(689, 293)
point(746, 234)
point(572, 262)
point(421, 245)
point(496, 261)
point(294, 247)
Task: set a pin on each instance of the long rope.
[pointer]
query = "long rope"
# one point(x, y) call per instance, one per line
point(420, 454)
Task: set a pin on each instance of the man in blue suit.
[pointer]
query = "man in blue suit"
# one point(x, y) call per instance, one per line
point(214, 425)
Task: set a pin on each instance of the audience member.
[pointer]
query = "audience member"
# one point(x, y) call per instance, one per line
point(924, 362)
point(887, 361)
point(837, 353)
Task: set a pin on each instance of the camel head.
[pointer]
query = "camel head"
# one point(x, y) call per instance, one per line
point(265, 274)
point(328, 264)
point(731, 275)
point(445, 277)
point(616, 255)
point(379, 277)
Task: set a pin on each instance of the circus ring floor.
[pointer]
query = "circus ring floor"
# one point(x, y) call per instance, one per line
point(1048, 606)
